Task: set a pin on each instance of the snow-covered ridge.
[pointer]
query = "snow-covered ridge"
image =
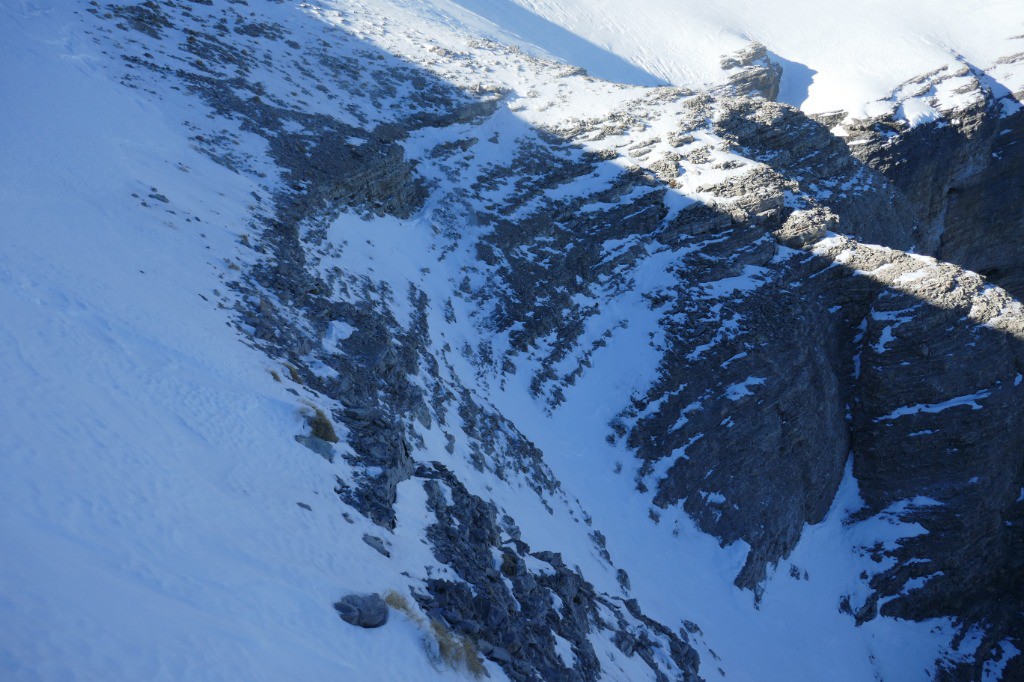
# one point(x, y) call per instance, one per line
point(836, 55)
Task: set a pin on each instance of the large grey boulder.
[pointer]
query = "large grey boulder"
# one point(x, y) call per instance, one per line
point(364, 610)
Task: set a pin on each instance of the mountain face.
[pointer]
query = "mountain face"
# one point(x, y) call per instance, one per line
point(606, 381)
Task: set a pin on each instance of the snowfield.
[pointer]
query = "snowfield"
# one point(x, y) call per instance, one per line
point(149, 478)
point(835, 55)
point(149, 521)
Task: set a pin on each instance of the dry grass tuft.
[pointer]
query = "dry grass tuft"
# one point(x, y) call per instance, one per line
point(399, 602)
point(293, 373)
point(443, 646)
point(448, 647)
point(474, 665)
point(456, 651)
point(322, 426)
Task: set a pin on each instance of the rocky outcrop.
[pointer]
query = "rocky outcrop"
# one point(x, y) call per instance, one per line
point(935, 426)
point(912, 364)
point(777, 364)
point(959, 167)
point(752, 73)
point(819, 166)
point(517, 606)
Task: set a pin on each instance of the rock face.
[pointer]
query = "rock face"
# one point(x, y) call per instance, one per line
point(960, 172)
point(939, 395)
point(922, 357)
point(508, 607)
point(941, 381)
point(765, 262)
point(753, 73)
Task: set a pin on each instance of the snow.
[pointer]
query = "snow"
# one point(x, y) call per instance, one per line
point(835, 56)
point(746, 281)
point(916, 112)
point(336, 332)
point(713, 498)
point(884, 339)
point(564, 650)
point(970, 400)
point(742, 389)
point(150, 476)
point(683, 419)
point(993, 670)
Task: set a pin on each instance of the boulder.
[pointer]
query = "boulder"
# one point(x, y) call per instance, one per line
point(364, 610)
point(318, 445)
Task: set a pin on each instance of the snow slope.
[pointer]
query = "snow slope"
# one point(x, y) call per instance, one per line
point(836, 55)
point(149, 477)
